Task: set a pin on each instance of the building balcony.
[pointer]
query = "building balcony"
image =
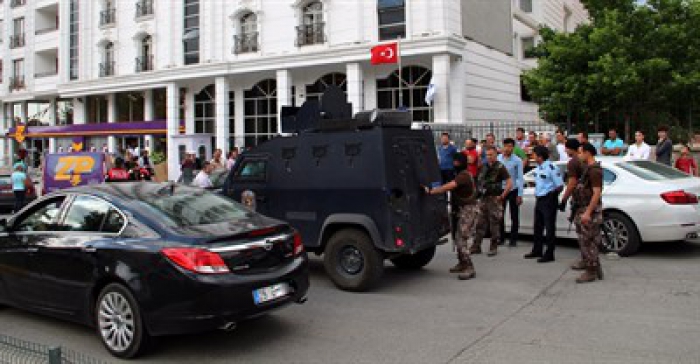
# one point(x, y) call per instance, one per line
point(45, 81)
point(245, 43)
point(108, 17)
point(309, 34)
point(144, 8)
point(48, 30)
point(16, 3)
point(144, 63)
point(16, 41)
point(17, 83)
point(106, 69)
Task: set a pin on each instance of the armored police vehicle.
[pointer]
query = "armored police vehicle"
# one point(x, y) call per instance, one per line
point(351, 186)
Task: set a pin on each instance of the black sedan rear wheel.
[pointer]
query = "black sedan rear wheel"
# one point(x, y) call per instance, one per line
point(119, 322)
point(351, 260)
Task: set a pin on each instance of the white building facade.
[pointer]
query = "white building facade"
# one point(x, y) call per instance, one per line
point(222, 70)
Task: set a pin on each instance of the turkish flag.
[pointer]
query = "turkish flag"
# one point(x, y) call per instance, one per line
point(385, 53)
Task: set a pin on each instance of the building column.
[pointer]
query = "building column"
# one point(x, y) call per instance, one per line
point(79, 112)
point(370, 88)
point(9, 122)
point(52, 122)
point(441, 76)
point(239, 105)
point(222, 127)
point(112, 118)
point(148, 115)
point(284, 94)
point(189, 111)
point(355, 84)
point(3, 140)
point(457, 98)
point(173, 126)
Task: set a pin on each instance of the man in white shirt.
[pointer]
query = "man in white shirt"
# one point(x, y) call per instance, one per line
point(202, 180)
point(561, 146)
point(640, 149)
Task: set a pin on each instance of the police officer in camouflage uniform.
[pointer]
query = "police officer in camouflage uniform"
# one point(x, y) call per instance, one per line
point(492, 193)
point(587, 198)
point(463, 190)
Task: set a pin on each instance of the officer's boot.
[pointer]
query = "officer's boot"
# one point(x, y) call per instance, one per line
point(578, 265)
point(589, 275)
point(475, 248)
point(462, 263)
point(469, 272)
point(493, 249)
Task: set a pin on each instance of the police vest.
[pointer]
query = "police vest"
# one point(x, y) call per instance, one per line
point(583, 193)
point(489, 185)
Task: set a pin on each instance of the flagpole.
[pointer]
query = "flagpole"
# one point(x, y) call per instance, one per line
point(398, 50)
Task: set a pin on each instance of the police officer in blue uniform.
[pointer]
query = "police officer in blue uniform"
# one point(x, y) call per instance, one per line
point(548, 185)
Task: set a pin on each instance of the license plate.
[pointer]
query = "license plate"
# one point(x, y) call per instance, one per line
point(271, 293)
point(692, 236)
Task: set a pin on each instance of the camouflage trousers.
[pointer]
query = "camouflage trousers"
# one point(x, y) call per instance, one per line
point(468, 216)
point(589, 237)
point(490, 218)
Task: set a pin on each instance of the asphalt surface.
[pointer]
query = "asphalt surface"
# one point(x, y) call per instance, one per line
point(647, 310)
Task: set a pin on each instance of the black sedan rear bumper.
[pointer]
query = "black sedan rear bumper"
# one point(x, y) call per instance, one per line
point(204, 303)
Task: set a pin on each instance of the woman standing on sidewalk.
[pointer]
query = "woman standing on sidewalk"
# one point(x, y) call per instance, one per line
point(19, 187)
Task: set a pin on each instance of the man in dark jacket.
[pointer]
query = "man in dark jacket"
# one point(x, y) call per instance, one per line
point(664, 149)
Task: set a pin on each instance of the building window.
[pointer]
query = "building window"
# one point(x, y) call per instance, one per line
point(247, 38)
point(524, 92)
point(144, 8)
point(527, 45)
point(130, 106)
point(414, 86)
point(16, 3)
point(74, 23)
point(144, 62)
point(261, 112)
point(107, 65)
point(64, 112)
point(205, 111)
point(17, 38)
point(391, 19)
point(314, 92)
point(526, 6)
point(108, 15)
point(17, 80)
point(311, 30)
point(190, 37)
point(97, 108)
point(1, 71)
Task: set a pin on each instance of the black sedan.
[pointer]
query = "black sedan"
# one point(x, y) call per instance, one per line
point(143, 259)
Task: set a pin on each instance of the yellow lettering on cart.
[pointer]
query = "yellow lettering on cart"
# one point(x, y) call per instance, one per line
point(70, 168)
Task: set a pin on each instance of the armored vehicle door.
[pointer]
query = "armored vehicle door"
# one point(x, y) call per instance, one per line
point(250, 178)
point(415, 165)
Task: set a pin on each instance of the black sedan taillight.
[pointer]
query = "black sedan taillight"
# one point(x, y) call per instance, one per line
point(197, 260)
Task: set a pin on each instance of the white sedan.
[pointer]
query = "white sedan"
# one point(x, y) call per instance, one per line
point(643, 201)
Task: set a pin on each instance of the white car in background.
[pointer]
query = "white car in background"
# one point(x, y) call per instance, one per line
point(643, 201)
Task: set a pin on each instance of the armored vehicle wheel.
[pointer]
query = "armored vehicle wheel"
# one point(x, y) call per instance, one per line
point(414, 261)
point(351, 260)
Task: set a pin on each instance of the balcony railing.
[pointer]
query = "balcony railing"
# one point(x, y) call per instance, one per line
point(17, 41)
point(17, 83)
point(245, 43)
point(46, 74)
point(16, 3)
point(108, 17)
point(106, 69)
point(309, 34)
point(144, 63)
point(144, 8)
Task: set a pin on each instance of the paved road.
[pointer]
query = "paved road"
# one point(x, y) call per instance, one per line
point(646, 311)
